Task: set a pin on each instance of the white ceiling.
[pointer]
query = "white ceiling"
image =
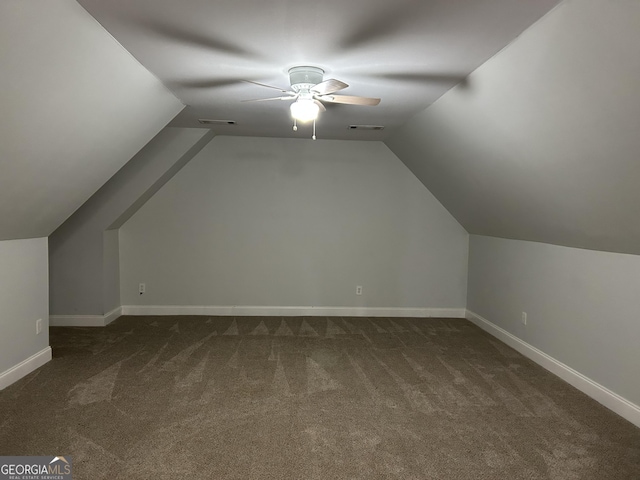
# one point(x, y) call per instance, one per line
point(407, 52)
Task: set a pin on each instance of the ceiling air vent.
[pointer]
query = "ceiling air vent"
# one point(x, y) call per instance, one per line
point(366, 127)
point(206, 121)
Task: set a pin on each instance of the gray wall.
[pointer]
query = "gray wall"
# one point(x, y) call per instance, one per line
point(541, 142)
point(23, 300)
point(76, 106)
point(581, 305)
point(83, 259)
point(286, 222)
point(111, 270)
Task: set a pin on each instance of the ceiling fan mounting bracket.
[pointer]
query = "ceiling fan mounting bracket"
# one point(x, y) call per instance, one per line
point(302, 78)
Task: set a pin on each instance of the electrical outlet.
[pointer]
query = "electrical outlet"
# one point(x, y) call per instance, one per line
point(142, 288)
point(524, 318)
point(359, 290)
point(38, 326)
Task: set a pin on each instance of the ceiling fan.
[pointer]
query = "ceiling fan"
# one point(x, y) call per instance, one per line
point(308, 91)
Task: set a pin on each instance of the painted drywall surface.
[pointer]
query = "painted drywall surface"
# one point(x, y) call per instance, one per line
point(24, 297)
point(288, 222)
point(581, 305)
point(80, 281)
point(76, 107)
point(541, 143)
point(111, 270)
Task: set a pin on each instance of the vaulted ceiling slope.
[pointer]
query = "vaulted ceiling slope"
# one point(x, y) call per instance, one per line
point(76, 106)
point(543, 141)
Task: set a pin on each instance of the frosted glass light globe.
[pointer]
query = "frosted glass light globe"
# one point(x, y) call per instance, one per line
point(304, 110)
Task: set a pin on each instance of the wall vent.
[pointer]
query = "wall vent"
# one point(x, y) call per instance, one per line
point(366, 127)
point(207, 121)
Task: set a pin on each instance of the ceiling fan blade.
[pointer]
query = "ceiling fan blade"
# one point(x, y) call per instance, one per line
point(269, 86)
point(381, 23)
point(204, 84)
point(194, 38)
point(320, 105)
point(293, 97)
point(426, 77)
point(328, 86)
point(418, 77)
point(349, 100)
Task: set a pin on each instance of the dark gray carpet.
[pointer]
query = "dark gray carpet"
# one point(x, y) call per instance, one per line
point(318, 398)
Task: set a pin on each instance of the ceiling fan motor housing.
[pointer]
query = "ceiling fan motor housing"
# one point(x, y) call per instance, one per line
point(303, 78)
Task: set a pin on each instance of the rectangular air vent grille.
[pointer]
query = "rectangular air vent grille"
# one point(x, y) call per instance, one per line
point(366, 127)
point(207, 121)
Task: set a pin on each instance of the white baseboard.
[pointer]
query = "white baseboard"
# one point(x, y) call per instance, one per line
point(24, 368)
point(264, 311)
point(603, 395)
point(85, 320)
point(112, 315)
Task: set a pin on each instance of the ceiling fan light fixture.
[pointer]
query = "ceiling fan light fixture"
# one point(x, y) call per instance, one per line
point(304, 110)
